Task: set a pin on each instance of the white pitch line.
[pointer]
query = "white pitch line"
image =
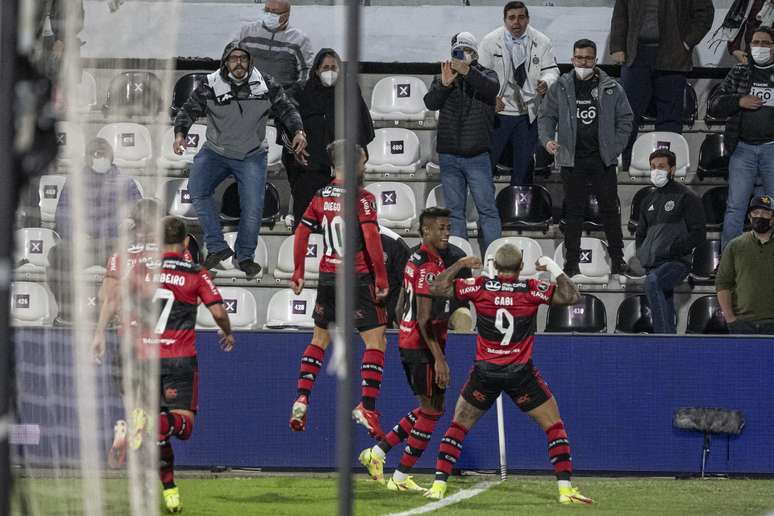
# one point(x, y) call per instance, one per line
point(451, 500)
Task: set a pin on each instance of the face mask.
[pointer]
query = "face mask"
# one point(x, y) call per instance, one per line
point(761, 55)
point(760, 224)
point(584, 73)
point(659, 177)
point(101, 165)
point(271, 20)
point(328, 77)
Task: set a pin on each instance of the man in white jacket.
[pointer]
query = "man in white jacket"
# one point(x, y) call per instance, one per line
point(523, 58)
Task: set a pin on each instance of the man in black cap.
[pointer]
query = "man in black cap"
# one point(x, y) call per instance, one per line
point(745, 278)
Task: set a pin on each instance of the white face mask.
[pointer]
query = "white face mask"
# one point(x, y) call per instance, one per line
point(271, 20)
point(101, 165)
point(583, 73)
point(659, 177)
point(761, 55)
point(329, 77)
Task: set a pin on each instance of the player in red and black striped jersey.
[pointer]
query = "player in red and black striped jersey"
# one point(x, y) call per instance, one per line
point(325, 214)
point(506, 313)
point(422, 341)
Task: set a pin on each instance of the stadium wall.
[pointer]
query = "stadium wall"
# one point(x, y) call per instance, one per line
point(617, 396)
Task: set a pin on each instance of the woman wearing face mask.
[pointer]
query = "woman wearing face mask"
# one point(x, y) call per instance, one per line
point(316, 104)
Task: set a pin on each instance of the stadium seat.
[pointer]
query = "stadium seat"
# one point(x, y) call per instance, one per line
point(706, 317)
point(709, 119)
point(71, 142)
point(32, 248)
point(399, 98)
point(594, 261)
point(287, 310)
point(229, 204)
point(634, 316)
point(240, 306)
point(714, 201)
point(285, 262)
point(274, 157)
point(706, 258)
point(635, 274)
point(177, 199)
point(463, 244)
point(184, 86)
point(648, 142)
point(587, 316)
point(193, 144)
point(134, 94)
point(395, 204)
point(591, 216)
point(227, 268)
point(86, 93)
point(49, 190)
point(634, 213)
point(32, 304)
point(194, 249)
point(435, 198)
point(433, 169)
point(690, 108)
point(393, 151)
point(713, 157)
point(132, 147)
point(530, 251)
point(525, 208)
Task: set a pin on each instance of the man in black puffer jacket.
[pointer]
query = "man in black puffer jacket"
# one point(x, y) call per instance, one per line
point(465, 94)
point(671, 225)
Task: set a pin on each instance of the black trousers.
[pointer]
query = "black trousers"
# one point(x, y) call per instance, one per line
point(587, 177)
point(304, 183)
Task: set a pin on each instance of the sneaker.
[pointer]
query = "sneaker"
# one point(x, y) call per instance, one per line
point(437, 491)
point(250, 268)
point(405, 485)
point(117, 455)
point(570, 495)
point(369, 419)
point(214, 259)
point(619, 266)
point(139, 424)
point(298, 414)
point(172, 500)
point(571, 270)
point(373, 463)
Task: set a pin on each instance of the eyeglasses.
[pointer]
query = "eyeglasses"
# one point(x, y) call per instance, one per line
point(99, 154)
point(585, 59)
point(239, 58)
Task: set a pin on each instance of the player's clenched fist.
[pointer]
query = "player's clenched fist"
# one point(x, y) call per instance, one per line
point(471, 262)
point(544, 263)
point(297, 285)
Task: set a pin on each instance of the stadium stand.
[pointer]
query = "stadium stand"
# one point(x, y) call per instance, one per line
point(287, 310)
point(462, 244)
point(193, 144)
point(49, 190)
point(648, 142)
point(435, 198)
point(399, 98)
point(32, 248)
point(530, 251)
point(395, 203)
point(525, 208)
point(71, 142)
point(227, 195)
point(594, 261)
point(714, 202)
point(133, 94)
point(587, 316)
point(131, 143)
point(176, 199)
point(86, 94)
point(706, 258)
point(634, 316)
point(240, 306)
point(705, 317)
point(393, 151)
point(713, 157)
point(32, 304)
point(184, 86)
point(314, 250)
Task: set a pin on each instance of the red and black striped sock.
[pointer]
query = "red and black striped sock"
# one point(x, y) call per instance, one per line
point(399, 432)
point(311, 362)
point(174, 424)
point(166, 465)
point(559, 451)
point(450, 450)
point(371, 372)
point(418, 439)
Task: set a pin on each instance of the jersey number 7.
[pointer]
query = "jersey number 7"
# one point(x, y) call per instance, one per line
point(167, 298)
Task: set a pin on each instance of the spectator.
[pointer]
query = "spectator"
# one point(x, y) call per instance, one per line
point(317, 107)
point(524, 61)
point(585, 121)
point(277, 49)
point(745, 278)
point(654, 40)
point(465, 94)
point(396, 255)
point(54, 35)
point(739, 24)
point(749, 130)
point(671, 225)
point(236, 100)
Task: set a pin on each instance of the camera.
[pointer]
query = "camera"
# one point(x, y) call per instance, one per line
point(458, 53)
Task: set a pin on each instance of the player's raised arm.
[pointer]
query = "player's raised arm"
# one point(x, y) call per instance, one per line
point(443, 286)
point(566, 292)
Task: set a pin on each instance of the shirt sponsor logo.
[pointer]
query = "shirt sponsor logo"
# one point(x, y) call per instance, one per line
point(669, 206)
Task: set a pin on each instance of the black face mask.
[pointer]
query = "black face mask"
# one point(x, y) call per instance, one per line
point(760, 224)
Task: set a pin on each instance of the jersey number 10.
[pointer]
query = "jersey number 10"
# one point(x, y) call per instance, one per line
point(333, 235)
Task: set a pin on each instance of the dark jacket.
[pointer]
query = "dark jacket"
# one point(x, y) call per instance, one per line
point(679, 21)
point(396, 255)
point(725, 103)
point(671, 224)
point(467, 111)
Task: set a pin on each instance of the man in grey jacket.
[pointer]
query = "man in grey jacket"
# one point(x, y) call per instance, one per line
point(236, 99)
point(585, 122)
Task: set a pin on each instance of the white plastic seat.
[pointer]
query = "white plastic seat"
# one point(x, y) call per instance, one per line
point(86, 93)
point(227, 268)
point(274, 157)
point(132, 147)
point(399, 98)
point(594, 261)
point(49, 191)
point(240, 306)
point(177, 198)
point(32, 304)
point(648, 142)
point(632, 276)
point(71, 142)
point(394, 150)
point(530, 252)
point(436, 198)
point(193, 144)
point(32, 248)
point(462, 244)
point(287, 310)
point(395, 204)
point(285, 262)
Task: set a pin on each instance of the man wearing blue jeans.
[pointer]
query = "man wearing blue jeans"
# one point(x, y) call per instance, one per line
point(747, 97)
point(465, 94)
point(671, 224)
point(236, 100)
